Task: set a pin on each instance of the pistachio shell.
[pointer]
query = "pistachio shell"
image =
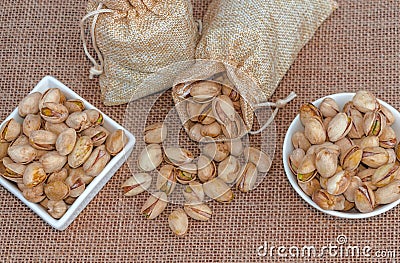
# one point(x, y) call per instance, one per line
point(56, 190)
point(357, 129)
point(328, 201)
point(194, 193)
point(136, 184)
point(53, 162)
point(58, 176)
point(326, 163)
point(223, 109)
point(81, 152)
point(211, 130)
point(53, 95)
point(339, 127)
point(299, 140)
point(95, 117)
point(150, 157)
point(308, 111)
point(392, 155)
point(22, 153)
point(365, 101)
point(315, 130)
point(54, 112)
point(187, 173)
point(66, 141)
point(29, 104)
point(259, 158)
point(338, 183)
point(98, 134)
point(195, 132)
point(374, 123)
point(233, 129)
point(385, 174)
point(307, 170)
point(31, 123)
point(235, 147)
point(116, 142)
point(55, 128)
point(388, 115)
point(97, 161)
point(206, 168)
point(228, 169)
point(375, 157)
point(21, 140)
point(295, 159)
point(178, 222)
point(155, 133)
point(3, 149)
point(43, 140)
point(166, 179)
point(310, 187)
point(355, 183)
point(329, 107)
point(351, 159)
point(10, 131)
point(76, 184)
point(178, 156)
point(12, 170)
point(206, 115)
point(218, 190)
point(388, 193)
point(203, 91)
point(33, 194)
point(369, 141)
point(155, 205)
point(248, 178)
point(388, 138)
point(201, 212)
point(74, 105)
point(364, 199)
point(78, 121)
point(34, 175)
point(217, 151)
point(348, 205)
point(193, 109)
point(56, 208)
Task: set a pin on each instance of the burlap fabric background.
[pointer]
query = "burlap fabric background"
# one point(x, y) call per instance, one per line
point(357, 47)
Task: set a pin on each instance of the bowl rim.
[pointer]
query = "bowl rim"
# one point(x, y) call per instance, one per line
point(287, 146)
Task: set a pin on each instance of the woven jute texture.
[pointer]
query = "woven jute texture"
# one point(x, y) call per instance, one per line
point(357, 47)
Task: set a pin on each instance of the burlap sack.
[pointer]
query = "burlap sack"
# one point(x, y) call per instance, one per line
point(256, 41)
point(136, 38)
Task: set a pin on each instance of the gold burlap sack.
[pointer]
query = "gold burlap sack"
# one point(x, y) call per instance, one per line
point(134, 39)
point(256, 41)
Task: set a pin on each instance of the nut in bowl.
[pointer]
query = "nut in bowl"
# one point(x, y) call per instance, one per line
point(339, 155)
point(57, 151)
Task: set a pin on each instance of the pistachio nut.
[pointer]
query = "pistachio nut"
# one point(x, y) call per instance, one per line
point(322, 181)
point(56, 208)
point(194, 193)
point(95, 117)
point(366, 176)
point(314, 149)
point(259, 158)
point(229, 169)
point(357, 129)
point(374, 123)
point(39, 154)
point(235, 147)
point(344, 144)
point(187, 173)
point(155, 205)
point(385, 174)
point(66, 141)
point(374, 157)
point(195, 132)
point(248, 178)
point(350, 160)
point(53, 95)
point(43, 140)
point(10, 131)
point(150, 157)
point(58, 176)
point(368, 141)
point(29, 104)
point(339, 127)
point(223, 109)
point(211, 130)
point(348, 106)
point(308, 111)
point(203, 91)
point(299, 140)
point(136, 184)
point(55, 128)
point(81, 152)
point(306, 170)
point(388, 115)
point(155, 133)
point(206, 115)
point(75, 184)
point(326, 122)
point(388, 193)
point(78, 121)
point(329, 107)
point(218, 190)
point(233, 129)
point(295, 159)
point(97, 161)
point(22, 153)
point(201, 212)
point(56, 190)
point(364, 199)
point(21, 140)
point(12, 171)
point(74, 105)
point(388, 138)
point(193, 109)
point(314, 130)
point(217, 151)
point(178, 156)
point(310, 187)
point(355, 183)
point(34, 174)
point(33, 194)
point(326, 163)
point(206, 168)
point(338, 183)
point(53, 161)
point(31, 123)
point(178, 222)
point(328, 201)
point(53, 112)
point(116, 142)
point(3, 149)
point(365, 101)
point(98, 134)
point(166, 179)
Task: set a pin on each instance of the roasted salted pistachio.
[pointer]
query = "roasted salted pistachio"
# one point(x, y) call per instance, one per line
point(206, 168)
point(74, 105)
point(116, 142)
point(201, 212)
point(365, 101)
point(194, 193)
point(306, 170)
point(388, 138)
point(81, 152)
point(357, 129)
point(43, 140)
point(97, 161)
point(218, 190)
point(66, 141)
point(233, 129)
point(217, 151)
point(328, 201)
point(259, 158)
point(248, 178)
point(374, 123)
point(55, 128)
point(388, 193)
point(31, 123)
point(78, 121)
point(231, 93)
point(374, 157)
point(308, 111)
point(187, 173)
point(178, 156)
point(295, 159)
point(53, 112)
point(98, 134)
point(10, 131)
point(29, 104)
point(195, 132)
point(22, 153)
point(203, 91)
point(53, 95)
point(364, 199)
point(155, 205)
point(178, 222)
point(310, 187)
point(223, 109)
point(150, 157)
point(388, 114)
point(136, 184)
point(155, 133)
point(166, 179)
point(235, 147)
point(355, 183)
point(369, 141)
point(350, 160)
point(211, 130)
point(338, 183)
point(56, 208)
point(33, 194)
point(58, 176)
point(229, 169)
point(299, 140)
point(95, 117)
point(3, 149)
point(385, 174)
point(56, 190)
point(53, 162)
point(326, 163)
point(314, 130)
point(34, 175)
point(206, 115)
point(193, 109)
point(13, 170)
point(75, 184)
point(339, 127)
point(329, 107)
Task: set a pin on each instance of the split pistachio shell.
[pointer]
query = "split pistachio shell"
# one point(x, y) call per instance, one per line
point(228, 169)
point(204, 91)
point(307, 170)
point(55, 128)
point(95, 117)
point(56, 190)
point(223, 109)
point(388, 138)
point(235, 147)
point(308, 111)
point(53, 95)
point(78, 121)
point(155, 133)
point(155, 205)
point(193, 109)
point(233, 94)
point(31, 123)
point(75, 184)
point(10, 131)
point(248, 178)
point(375, 157)
point(178, 156)
point(218, 190)
point(351, 159)
point(29, 104)
point(54, 112)
point(314, 149)
point(194, 193)
point(299, 140)
point(74, 105)
point(66, 141)
point(310, 187)
point(22, 153)
point(295, 159)
point(12, 170)
point(339, 127)
point(201, 212)
point(178, 222)
point(374, 123)
point(98, 134)
point(81, 152)
point(3, 149)
point(366, 174)
point(385, 174)
point(315, 130)
point(328, 201)
point(388, 115)
point(357, 129)
point(355, 183)
point(369, 141)
point(56, 208)
point(388, 193)
point(206, 115)
point(211, 130)
point(195, 132)
point(206, 168)
point(233, 129)
point(53, 162)
point(21, 140)
point(329, 107)
point(338, 183)
point(364, 199)
point(97, 161)
point(58, 176)
point(116, 142)
point(136, 184)
point(187, 173)
point(259, 158)
point(150, 157)
point(34, 194)
point(34, 175)
point(43, 140)
point(344, 145)
point(326, 163)
point(166, 179)
point(365, 101)
point(217, 151)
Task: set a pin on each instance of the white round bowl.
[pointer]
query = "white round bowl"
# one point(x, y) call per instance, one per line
point(296, 125)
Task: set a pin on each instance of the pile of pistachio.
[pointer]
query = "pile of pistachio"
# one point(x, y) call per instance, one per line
point(347, 159)
point(210, 175)
point(57, 150)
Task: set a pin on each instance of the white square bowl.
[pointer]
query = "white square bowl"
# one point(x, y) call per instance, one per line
point(98, 182)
